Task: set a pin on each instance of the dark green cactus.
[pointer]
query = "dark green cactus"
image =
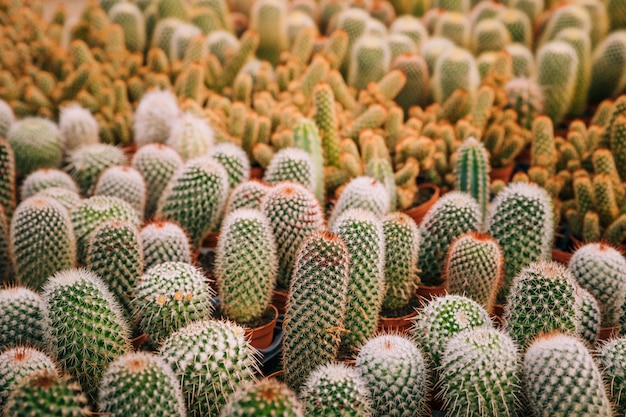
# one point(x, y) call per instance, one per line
point(21, 318)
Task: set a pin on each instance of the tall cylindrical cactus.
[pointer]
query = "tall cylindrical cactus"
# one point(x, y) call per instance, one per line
point(8, 197)
point(86, 163)
point(455, 69)
point(267, 17)
point(362, 192)
point(471, 172)
point(611, 357)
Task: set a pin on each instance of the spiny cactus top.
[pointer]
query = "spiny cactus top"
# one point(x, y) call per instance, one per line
point(46, 178)
point(164, 242)
point(191, 136)
point(471, 172)
point(394, 371)
point(125, 183)
point(291, 164)
point(362, 192)
point(37, 144)
point(68, 199)
point(248, 194)
point(78, 127)
point(21, 317)
point(235, 161)
point(18, 363)
point(7, 118)
point(267, 397)
point(612, 360)
point(87, 162)
point(140, 384)
point(154, 115)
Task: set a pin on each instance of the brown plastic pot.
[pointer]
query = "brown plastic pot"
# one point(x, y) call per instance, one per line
point(504, 173)
point(427, 293)
point(401, 324)
point(417, 213)
point(607, 333)
point(261, 337)
point(279, 300)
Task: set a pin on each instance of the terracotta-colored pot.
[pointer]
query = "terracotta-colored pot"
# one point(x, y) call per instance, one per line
point(129, 150)
point(261, 337)
point(417, 213)
point(504, 173)
point(396, 324)
point(279, 300)
point(561, 257)
point(427, 293)
point(257, 172)
point(607, 333)
point(210, 240)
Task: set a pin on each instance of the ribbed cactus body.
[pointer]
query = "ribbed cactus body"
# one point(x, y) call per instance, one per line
point(394, 371)
point(140, 384)
point(362, 192)
point(370, 60)
point(521, 220)
point(608, 57)
point(455, 69)
point(164, 242)
point(581, 42)
point(86, 326)
point(78, 127)
point(245, 265)
point(86, 164)
point(8, 197)
point(18, 363)
point(543, 298)
point(268, 18)
point(550, 391)
point(211, 359)
point(190, 136)
point(248, 194)
point(46, 178)
point(416, 90)
point(36, 143)
point(336, 389)
point(21, 318)
point(153, 117)
point(234, 160)
point(480, 374)
point(316, 307)
point(195, 198)
point(611, 357)
point(452, 215)
point(306, 136)
point(600, 269)
point(169, 296)
point(471, 172)
point(590, 321)
point(266, 397)
point(125, 183)
point(42, 240)
point(132, 21)
point(292, 164)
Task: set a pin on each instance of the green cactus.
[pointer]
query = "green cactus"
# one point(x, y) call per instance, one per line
point(36, 143)
point(454, 26)
point(523, 60)
point(550, 392)
point(46, 178)
point(410, 26)
point(168, 297)
point(370, 60)
point(8, 195)
point(266, 397)
point(42, 240)
point(140, 384)
point(7, 118)
point(354, 22)
point(441, 319)
point(521, 219)
point(471, 172)
point(608, 57)
point(532, 8)
point(6, 270)
point(307, 137)
point(362, 192)
point(154, 115)
point(191, 136)
point(416, 90)
point(314, 319)
point(610, 357)
point(489, 35)
point(452, 215)
point(86, 326)
point(125, 183)
point(234, 160)
point(248, 194)
point(395, 373)
point(590, 322)
point(382, 170)
point(245, 265)
point(164, 242)
point(543, 150)
point(618, 143)
point(336, 389)
point(400, 44)
point(567, 16)
point(221, 43)
point(326, 122)
point(131, 19)
point(211, 359)
point(580, 41)
point(195, 198)
point(292, 164)
point(480, 374)
point(294, 214)
point(87, 162)
point(181, 39)
point(433, 48)
point(45, 394)
point(18, 363)
point(21, 318)
point(78, 127)
point(455, 69)
point(268, 19)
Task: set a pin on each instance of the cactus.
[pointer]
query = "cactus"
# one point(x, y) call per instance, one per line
point(234, 160)
point(21, 318)
point(46, 178)
point(452, 215)
point(86, 326)
point(132, 21)
point(68, 199)
point(416, 90)
point(268, 19)
point(400, 44)
point(181, 39)
point(248, 194)
point(154, 115)
point(265, 397)
point(362, 192)
point(568, 16)
point(168, 297)
point(190, 136)
point(245, 265)
point(433, 48)
point(36, 143)
point(599, 269)
point(471, 172)
point(314, 317)
point(523, 61)
point(125, 183)
point(8, 195)
point(521, 220)
point(455, 69)
point(195, 198)
point(221, 43)
point(608, 57)
point(441, 319)
point(140, 384)
point(543, 150)
point(370, 60)
point(480, 374)
point(45, 394)
point(6, 270)
point(489, 35)
point(294, 214)
point(292, 164)
point(354, 22)
point(362, 231)
point(164, 242)
point(17, 364)
point(7, 118)
point(78, 127)
point(618, 144)
point(395, 373)
point(544, 298)
point(410, 26)
point(87, 162)
point(549, 392)
point(610, 357)
point(580, 41)
point(306, 137)
point(211, 359)
point(42, 240)
point(326, 121)
point(453, 26)
point(382, 170)
point(590, 322)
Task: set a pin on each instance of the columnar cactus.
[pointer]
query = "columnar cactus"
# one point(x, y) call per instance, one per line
point(211, 359)
point(416, 90)
point(589, 328)
point(362, 192)
point(579, 40)
point(268, 18)
point(245, 265)
point(87, 162)
point(600, 269)
point(21, 318)
point(452, 215)
point(7, 118)
point(234, 160)
point(170, 296)
point(140, 384)
point(86, 326)
point(316, 306)
point(382, 170)
point(36, 143)
point(521, 220)
point(132, 21)
point(5, 256)
point(292, 164)
point(68, 199)
point(480, 374)
point(265, 397)
point(608, 57)
point(78, 127)
point(549, 391)
point(164, 242)
point(543, 150)
point(190, 136)
point(8, 197)
point(125, 183)
point(471, 172)
point(544, 298)
point(336, 389)
point(154, 115)
point(611, 357)
point(248, 194)
point(195, 198)
point(42, 240)
point(326, 121)
point(362, 232)
point(394, 371)
point(370, 60)
point(307, 137)
point(18, 363)
point(46, 178)
point(526, 98)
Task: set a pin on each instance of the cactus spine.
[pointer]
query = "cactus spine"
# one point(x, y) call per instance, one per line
point(125, 183)
point(164, 242)
point(557, 69)
point(18, 363)
point(471, 172)
point(78, 127)
point(21, 318)
point(87, 163)
point(36, 143)
point(265, 397)
point(8, 195)
point(46, 178)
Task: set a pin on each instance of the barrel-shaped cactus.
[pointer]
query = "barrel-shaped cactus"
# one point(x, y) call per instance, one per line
point(86, 163)
point(154, 115)
point(164, 242)
point(292, 164)
point(248, 194)
point(18, 363)
point(590, 321)
point(190, 136)
point(46, 178)
point(125, 183)
point(36, 143)
point(234, 160)
point(265, 397)
point(78, 127)
point(362, 192)
point(21, 318)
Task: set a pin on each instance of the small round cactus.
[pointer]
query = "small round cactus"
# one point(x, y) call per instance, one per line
point(78, 127)
point(154, 115)
point(21, 318)
point(125, 183)
point(140, 384)
point(87, 162)
point(291, 164)
point(248, 194)
point(18, 363)
point(46, 178)
point(164, 242)
point(190, 136)
point(234, 160)
point(67, 198)
point(267, 397)
point(362, 192)
point(37, 144)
